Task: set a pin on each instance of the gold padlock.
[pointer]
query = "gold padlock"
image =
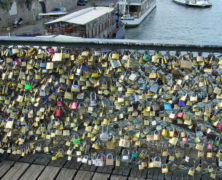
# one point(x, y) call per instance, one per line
point(164, 132)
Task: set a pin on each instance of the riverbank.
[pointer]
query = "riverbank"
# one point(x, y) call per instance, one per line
point(37, 27)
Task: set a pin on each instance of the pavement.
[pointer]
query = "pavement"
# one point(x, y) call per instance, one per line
point(37, 26)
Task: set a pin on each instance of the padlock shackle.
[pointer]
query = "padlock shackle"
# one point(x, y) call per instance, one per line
point(125, 152)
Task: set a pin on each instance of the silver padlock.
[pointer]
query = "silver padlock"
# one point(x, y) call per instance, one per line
point(125, 155)
point(85, 159)
point(99, 160)
point(79, 70)
point(93, 101)
point(104, 136)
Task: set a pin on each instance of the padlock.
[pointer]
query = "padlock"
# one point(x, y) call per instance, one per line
point(93, 100)
point(164, 132)
point(164, 168)
point(74, 105)
point(210, 146)
point(191, 171)
point(125, 155)
point(165, 153)
point(217, 142)
point(209, 154)
point(157, 162)
point(219, 125)
point(143, 154)
point(99, 160)
point(156, 135)
point(134, 153)
point(199, 168)
point(187, 158)
point(79, 71)
point(59, 102)
point(85, 159)
point(109, 159)
point(58, 112)
point(104, 136)
point(171, 132)
point(185, 139)
point(76, 139)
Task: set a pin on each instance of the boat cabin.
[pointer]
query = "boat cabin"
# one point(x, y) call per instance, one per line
point(92, 22)
point(133, 8)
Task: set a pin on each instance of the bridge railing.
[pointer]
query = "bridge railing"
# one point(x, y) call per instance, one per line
point(111, 44)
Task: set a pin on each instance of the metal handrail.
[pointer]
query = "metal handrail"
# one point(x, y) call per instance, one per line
point(110, 43)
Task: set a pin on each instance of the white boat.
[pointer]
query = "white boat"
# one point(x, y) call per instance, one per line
point(194, 3)
point(134, 11)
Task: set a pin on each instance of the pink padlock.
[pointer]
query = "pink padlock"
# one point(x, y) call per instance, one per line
point(184, 139)
point(180, 114)
point(210, 146)
point(59, 103)
point(74, 105)
point(58, 112)
point(50, 50)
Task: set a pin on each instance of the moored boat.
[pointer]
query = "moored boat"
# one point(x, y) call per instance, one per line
point(194, 3)
point(135, 11)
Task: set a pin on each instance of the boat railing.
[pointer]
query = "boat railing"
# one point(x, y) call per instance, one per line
point(132, 1)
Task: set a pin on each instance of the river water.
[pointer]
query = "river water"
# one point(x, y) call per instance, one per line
point(171, 22)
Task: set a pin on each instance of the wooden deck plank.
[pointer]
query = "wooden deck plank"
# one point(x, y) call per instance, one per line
point(5, 166)
point(16, 171)
point(84, 175)
point(100, 176)
point(66, 174)
point(33, 172)
point(116, 177)
point(49, 173)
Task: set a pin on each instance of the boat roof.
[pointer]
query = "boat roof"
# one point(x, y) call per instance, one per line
point(83, 16)
point(131, 4)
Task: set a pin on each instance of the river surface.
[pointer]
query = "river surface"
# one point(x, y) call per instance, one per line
point(171, 22)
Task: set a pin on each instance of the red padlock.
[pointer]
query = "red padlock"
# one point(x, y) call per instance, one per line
point(59, 102)
point(58, 113)
point(185, 139)
point(180, 114)
point(219, 125)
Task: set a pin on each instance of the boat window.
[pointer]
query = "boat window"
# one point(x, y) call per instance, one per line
point(133, 8)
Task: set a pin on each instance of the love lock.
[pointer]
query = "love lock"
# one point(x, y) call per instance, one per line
point(99, 160)
point(104, 136)
point(93, 101)
point(85, 159)
point(79, 71)
point(125, 155)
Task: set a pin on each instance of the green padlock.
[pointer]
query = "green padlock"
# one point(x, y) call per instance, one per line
point(28, 86)
point(134, 154)
point(146, 57)
point(76, 141)
point(201, 95)
point(217, 142)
